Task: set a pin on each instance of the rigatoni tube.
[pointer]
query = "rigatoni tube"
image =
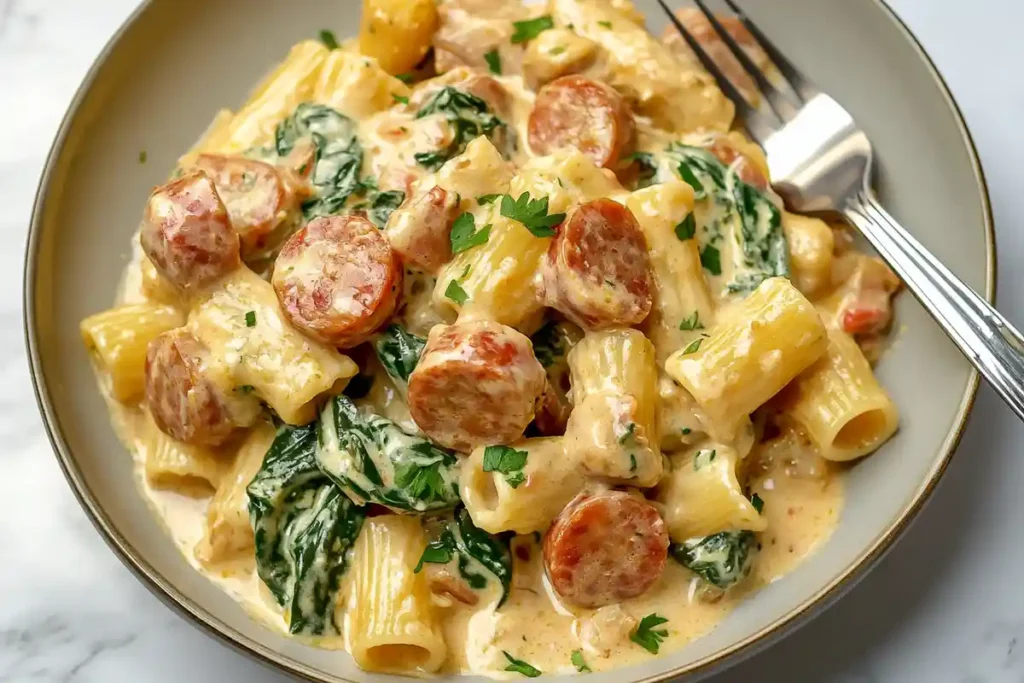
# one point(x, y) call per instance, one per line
point(840, 404)
point(751, 353)
point(391, 626)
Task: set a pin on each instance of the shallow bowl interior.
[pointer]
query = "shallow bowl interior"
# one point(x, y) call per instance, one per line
point(160, 82)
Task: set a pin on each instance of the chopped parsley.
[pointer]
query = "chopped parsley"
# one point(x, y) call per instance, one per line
point(686, 430)
point(493, 59)
point(532, 213)
point(464, 234)
point(630, 429)
point(245, 389)
point(756, 501)
point(401, 99)
point(692, 322)
point(557, 50)
point(485, 199)
point(605, 24)
point(520, 667)
point(711, 260)
point(508, 461)
point(142, 157)
point(632, 463)
point(406, 78)
point(531, 28)
point(645, 634)
point(328, 39)
point(250, 319)
point(693, 346)
point(438, 551)
point(579, 662)
point(687, 228)
point(456, 293)
point(703, 457)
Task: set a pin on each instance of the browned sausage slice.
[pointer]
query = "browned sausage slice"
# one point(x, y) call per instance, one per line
point(597, 271)
point(476, 383)
point(184, 403)
point(604, 548)
point(255, 195)
point(186, 232)
point(420, 229)
point(588, 115)
point(338, 279)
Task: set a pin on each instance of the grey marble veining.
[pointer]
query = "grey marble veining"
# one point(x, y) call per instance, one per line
point(946, 605)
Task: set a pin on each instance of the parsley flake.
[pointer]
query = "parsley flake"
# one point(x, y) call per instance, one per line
point(630, 429)
point(632, 463)
point(686, 430)
point(456, 293)
point(493, 59)
point(508, 461)
point(485, 199)
point(142, 157)
point(406, 78)
point(439, 551)
point(605, 24)
point(464, 234)
point(703, 457)
point(532, 213)
point(557, 50)
point(756, 501)
point(711, 260)
point(687, 228)
point(579, 662)
point(692, 347)
point(520, 667)
point(250, 319)
point(531, 28)
point(645, 634)
point(328, 39)
point(401, 99)
point(692, 322)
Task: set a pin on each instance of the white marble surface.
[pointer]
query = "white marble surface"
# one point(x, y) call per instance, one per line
point(945, 605)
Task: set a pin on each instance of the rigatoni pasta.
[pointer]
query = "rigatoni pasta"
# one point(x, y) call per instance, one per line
point(750, 355)
point(118, 339)
point(840, 404)
point(391, 622)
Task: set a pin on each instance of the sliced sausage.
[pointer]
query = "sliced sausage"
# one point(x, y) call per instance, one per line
point(597, 271)
point(604, 548)
point(338, 279)
point(476, 383)
point(187, 234)
point(255, 195)
point(184, 403)
point(591, 116)
point(420, 229)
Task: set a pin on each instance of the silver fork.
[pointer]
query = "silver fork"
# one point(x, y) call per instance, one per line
point(821, 161)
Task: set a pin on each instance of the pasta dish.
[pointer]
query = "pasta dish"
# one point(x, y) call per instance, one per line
point(480, 343)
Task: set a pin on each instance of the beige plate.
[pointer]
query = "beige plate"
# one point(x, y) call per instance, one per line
point(175, 62)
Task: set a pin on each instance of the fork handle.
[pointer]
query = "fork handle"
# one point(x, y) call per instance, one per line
point(988, 340)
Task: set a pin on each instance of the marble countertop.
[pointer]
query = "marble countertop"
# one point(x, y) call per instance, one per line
point(945, 605)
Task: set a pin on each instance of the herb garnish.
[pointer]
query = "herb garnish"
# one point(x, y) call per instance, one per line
point(756, 501)
point(579, 662)
point(687, 228)
point(531, 28)
point(456, 293)
point(520, 667)
point(328, 39)
point(493, 59)
point(250, 319)
point(693, 346)
point(508, 461)
point(532, 213)
point(645, 634)
point(464, 234)
point(692, 322)
point(711, 260)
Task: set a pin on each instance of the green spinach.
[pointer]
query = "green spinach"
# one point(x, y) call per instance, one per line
point(469, 117)
point(303, 527)
point(399, 352)
point(737, 212)
point(373, 460)
point(721, 559)
point(475, 551)
point(338, 160)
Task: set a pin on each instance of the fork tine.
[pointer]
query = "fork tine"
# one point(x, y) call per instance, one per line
point(760, 125)
point(800, 84)
point(778, 102)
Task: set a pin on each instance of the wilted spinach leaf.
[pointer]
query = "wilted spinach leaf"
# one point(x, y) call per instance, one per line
point(721, 559)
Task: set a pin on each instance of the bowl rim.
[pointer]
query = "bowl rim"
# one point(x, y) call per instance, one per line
point(207, 622)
